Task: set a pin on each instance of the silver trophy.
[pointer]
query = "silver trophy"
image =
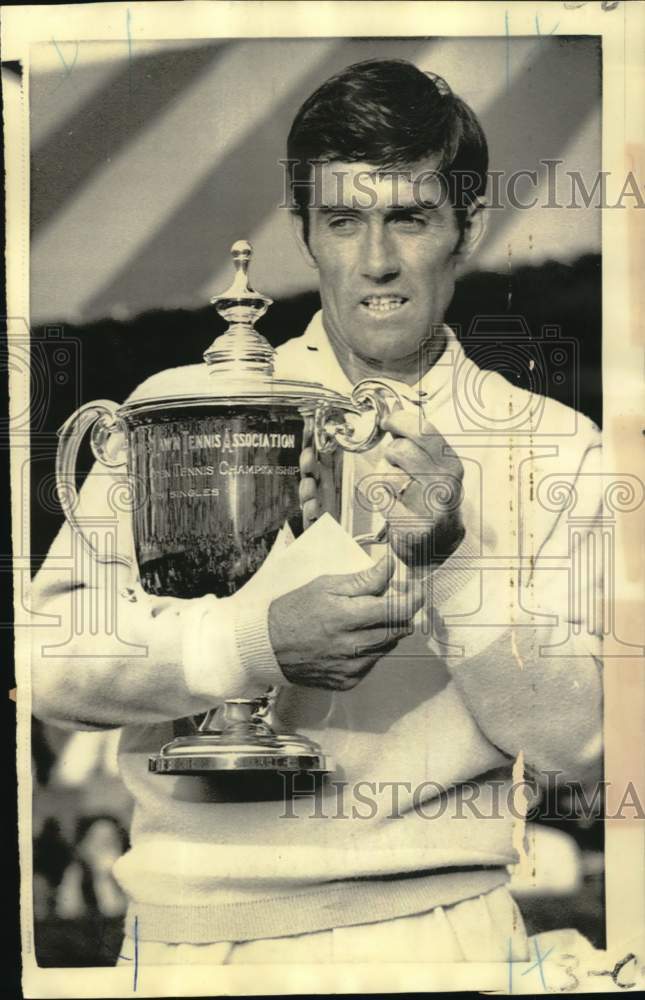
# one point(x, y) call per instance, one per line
point(214, 477)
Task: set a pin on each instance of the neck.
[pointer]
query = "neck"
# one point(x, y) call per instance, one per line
point(409, 369)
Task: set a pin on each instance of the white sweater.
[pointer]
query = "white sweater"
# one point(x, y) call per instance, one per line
point(504, 662)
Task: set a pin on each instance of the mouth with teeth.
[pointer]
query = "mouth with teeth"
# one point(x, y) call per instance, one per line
point(379, 305)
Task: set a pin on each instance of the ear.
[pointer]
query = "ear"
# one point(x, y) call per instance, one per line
point(474, 229)
point(298, 227)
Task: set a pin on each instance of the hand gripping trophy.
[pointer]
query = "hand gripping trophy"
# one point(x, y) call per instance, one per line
point(213, 539)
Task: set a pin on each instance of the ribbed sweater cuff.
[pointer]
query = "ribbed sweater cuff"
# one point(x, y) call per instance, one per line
point(254, 643)
point(226, 648)
point(212, 668)
point(455, 573)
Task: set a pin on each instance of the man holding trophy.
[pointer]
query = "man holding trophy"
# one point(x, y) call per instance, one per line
point(426, 675)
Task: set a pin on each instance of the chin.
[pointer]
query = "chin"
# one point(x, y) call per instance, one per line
point(388, 346)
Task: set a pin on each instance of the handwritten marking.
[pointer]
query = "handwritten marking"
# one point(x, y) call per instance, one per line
point(128, 20)
point(574, 982)
point(538, 964)
point(66, 68)
point(136, 953)
point(577, 4)
point(615, 972)
point(537, 27)
point(128, 958)
point(508, 49)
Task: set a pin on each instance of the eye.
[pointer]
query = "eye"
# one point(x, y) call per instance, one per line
point(342, 223)
point(413, 222)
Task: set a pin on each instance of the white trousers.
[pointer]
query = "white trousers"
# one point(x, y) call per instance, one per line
point(487, 928)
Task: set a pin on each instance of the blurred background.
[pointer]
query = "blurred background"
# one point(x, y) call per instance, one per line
point(147, 161)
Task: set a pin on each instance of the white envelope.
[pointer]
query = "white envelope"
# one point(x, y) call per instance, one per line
point(325, 547)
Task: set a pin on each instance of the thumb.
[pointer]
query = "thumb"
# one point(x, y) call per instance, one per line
point(368, 581)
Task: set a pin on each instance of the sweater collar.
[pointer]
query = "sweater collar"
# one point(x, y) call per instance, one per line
point(435, 384)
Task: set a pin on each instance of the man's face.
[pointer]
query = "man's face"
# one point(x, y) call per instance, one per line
point(384, 247)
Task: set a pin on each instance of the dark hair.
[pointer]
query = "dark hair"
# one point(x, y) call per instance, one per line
point(388, 113)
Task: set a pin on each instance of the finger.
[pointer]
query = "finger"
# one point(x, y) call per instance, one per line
point(379, 641)
point(421, 460)
point(337, 675)
point(360, 669)
point(410, 457)
point(310, 511)
point(409, 423)
point(309, 464)
point(402, 607)
point(342, 675)
point(434, 486)
point(412, 426)
point(401, 584)
point(394, 610)
point(369, 581)
point(307, 489)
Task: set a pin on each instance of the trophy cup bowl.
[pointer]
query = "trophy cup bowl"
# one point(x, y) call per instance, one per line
point(215, 477)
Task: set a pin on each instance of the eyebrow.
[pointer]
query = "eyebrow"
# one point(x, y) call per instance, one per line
point(427, 203)
point(424, 204)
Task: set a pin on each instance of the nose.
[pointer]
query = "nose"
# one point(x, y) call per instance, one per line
point(380, 263)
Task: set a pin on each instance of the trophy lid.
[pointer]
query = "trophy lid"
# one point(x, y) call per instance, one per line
point(241, 351)
point(239, 365)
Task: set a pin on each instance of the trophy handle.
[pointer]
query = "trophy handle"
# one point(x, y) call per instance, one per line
point(380, 395)
point(101, 417)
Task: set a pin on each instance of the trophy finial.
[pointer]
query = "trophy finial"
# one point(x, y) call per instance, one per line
point(241, 252)
point(241, 349)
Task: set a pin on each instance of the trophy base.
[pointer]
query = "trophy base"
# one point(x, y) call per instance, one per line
point(209, 752)
point(237, 737)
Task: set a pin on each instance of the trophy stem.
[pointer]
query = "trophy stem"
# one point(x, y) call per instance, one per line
point(237, 718)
